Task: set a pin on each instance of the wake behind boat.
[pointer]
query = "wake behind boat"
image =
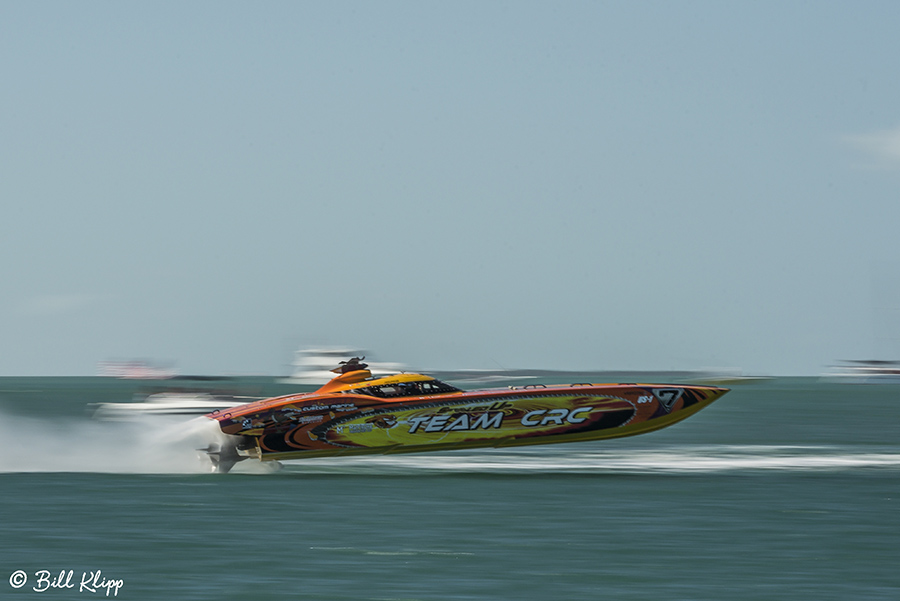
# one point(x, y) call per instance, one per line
point(357, 413)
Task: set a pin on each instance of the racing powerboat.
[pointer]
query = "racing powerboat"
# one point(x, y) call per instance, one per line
point(356, 413)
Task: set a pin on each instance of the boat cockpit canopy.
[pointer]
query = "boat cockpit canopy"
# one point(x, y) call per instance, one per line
point(403, 389)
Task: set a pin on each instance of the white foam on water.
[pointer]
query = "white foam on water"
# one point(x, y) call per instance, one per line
point(151, 445)
point(672, 459)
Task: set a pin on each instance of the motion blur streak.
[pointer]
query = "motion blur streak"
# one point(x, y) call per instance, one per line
point(574, 460)
point(149, 446)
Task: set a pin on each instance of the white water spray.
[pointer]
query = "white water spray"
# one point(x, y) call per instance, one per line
point(149, 445)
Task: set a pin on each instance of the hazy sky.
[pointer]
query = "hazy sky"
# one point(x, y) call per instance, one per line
point(591, 185)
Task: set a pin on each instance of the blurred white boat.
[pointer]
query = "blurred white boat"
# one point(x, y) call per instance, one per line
point(865, 372)
point(170, 403)
point(134, 370)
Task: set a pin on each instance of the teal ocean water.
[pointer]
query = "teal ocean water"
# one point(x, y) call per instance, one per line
point(783, 489)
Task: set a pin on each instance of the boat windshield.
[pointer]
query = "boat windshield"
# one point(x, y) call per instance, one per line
point(401, 389)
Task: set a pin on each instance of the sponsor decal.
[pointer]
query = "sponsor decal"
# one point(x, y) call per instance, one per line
point(335, 407)
point(667, 396)
point(556, 417)
point(443, 422)
point(467, 420)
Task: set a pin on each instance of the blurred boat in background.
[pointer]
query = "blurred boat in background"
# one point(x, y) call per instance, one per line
point(173, 403)
point(871, 371)
point(135, 370)
point(182, 397)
